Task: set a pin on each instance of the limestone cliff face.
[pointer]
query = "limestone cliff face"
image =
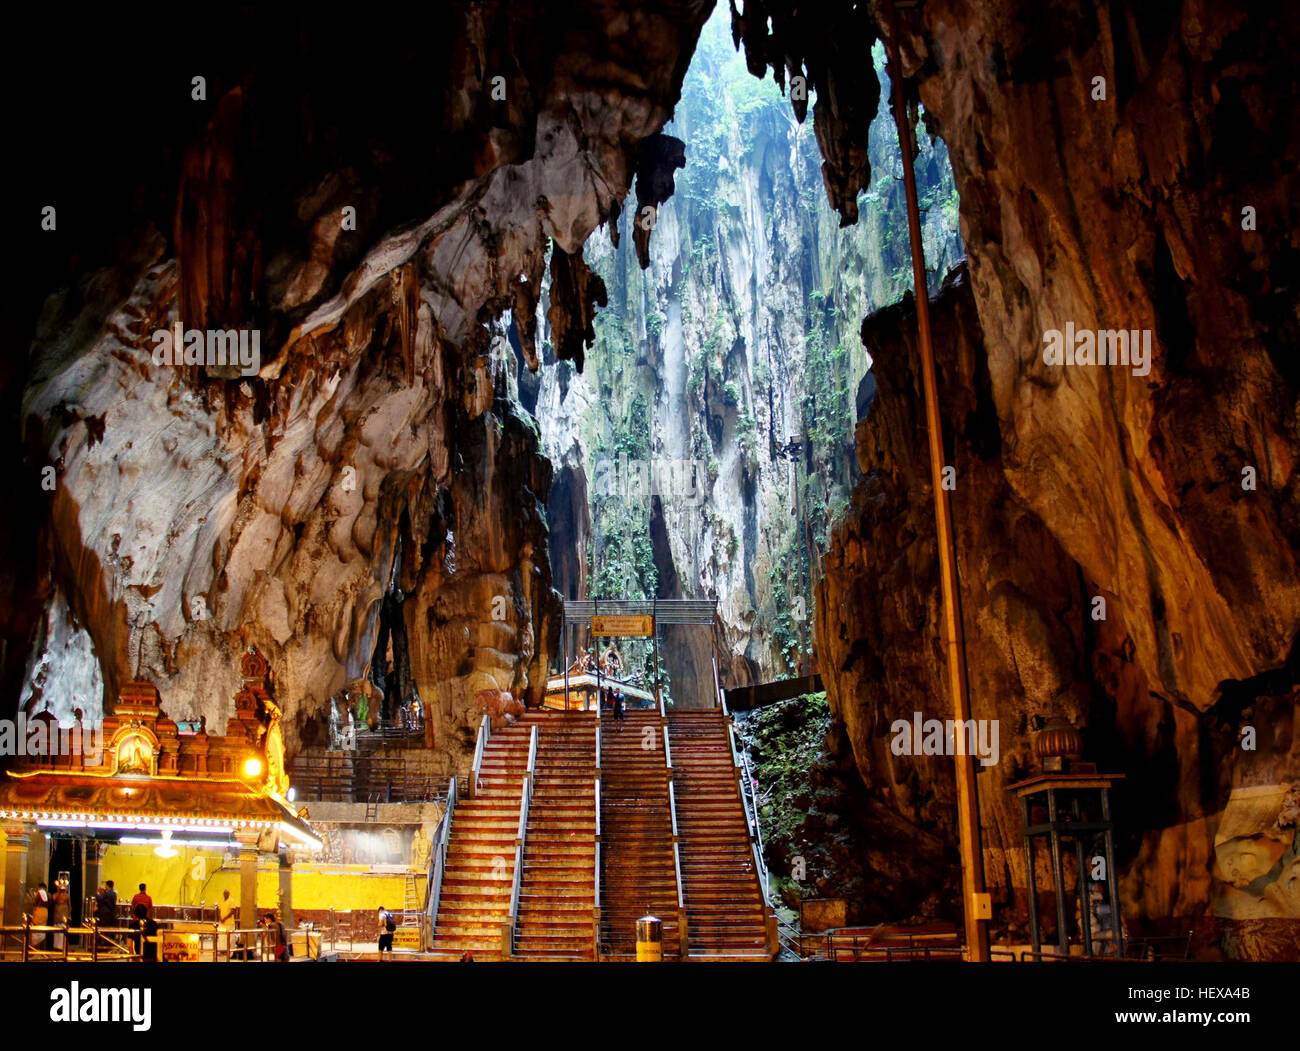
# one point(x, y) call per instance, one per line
point(366, 505)
point(739, 337)
point(1169, 492)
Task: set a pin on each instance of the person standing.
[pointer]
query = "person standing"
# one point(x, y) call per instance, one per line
point(146, 934)
point(387, 928)
point(226, 909)
point(106, 905)
point(280, 939)
point(40, 914)
point(618, 709)
point(62, 911)
point(142, 899)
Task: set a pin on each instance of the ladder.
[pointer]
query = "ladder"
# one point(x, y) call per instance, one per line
point(413, 905)
point(372, 806)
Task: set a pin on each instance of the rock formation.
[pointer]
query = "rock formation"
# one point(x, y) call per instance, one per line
point(365, 503)
point(1158, 198)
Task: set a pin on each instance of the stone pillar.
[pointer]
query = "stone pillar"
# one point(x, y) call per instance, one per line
point(247, 882)
point(286, 890)
point(17, 842)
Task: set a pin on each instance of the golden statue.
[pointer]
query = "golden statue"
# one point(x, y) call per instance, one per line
point(134, 756)
point(277, 777)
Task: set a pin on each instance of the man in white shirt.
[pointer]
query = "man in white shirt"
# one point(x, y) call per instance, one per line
point(225, 921)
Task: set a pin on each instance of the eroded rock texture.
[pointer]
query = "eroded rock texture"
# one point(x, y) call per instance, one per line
point(1081, 481)
point(367, 508)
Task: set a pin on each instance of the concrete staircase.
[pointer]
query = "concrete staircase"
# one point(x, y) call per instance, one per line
point(474, 906)
point(725, 910)
point(639, 874)
point(556, 919)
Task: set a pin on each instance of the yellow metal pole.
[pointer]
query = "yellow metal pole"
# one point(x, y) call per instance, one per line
point(968, 834)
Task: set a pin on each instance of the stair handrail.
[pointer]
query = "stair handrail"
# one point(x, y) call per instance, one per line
point(750, 803)
point(595, 901)
point(668, 753)
point(717, 688)
point(438, 862)
point(672, 808)
point(532, 757)
point(480, 747)
point(595, 909)
point(525, 798)
point(731, 740)
point(682, 921)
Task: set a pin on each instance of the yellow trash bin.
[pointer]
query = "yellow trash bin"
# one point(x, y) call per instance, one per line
point(649, 940)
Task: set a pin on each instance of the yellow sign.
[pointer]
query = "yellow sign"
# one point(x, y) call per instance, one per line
point(180, 948)
point(407, 938)
point(623, 624)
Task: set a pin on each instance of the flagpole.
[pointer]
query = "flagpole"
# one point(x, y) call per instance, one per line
point(974, 898)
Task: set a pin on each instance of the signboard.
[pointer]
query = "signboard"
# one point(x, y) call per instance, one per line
point(623, 624)
point(179, 948)
point(407, 938)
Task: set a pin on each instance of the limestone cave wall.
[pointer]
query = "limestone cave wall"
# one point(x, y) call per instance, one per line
point(1158, 198)
point(372, 487)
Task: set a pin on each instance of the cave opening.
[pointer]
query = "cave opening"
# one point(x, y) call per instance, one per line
point(736, 353)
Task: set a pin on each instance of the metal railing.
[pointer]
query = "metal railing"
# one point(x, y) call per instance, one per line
point(521, 840)
point(595, 911)
point(508, 935)
point(92, 943)
point(683, 934)
point(359, 778)
point(668, 754)
point(858, 947)
point(438, 863)
point(480, 747)
point(750, 803)
point(1047, 956)
point(672, 808)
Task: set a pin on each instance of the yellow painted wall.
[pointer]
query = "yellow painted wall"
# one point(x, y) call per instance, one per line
point(170, 881)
